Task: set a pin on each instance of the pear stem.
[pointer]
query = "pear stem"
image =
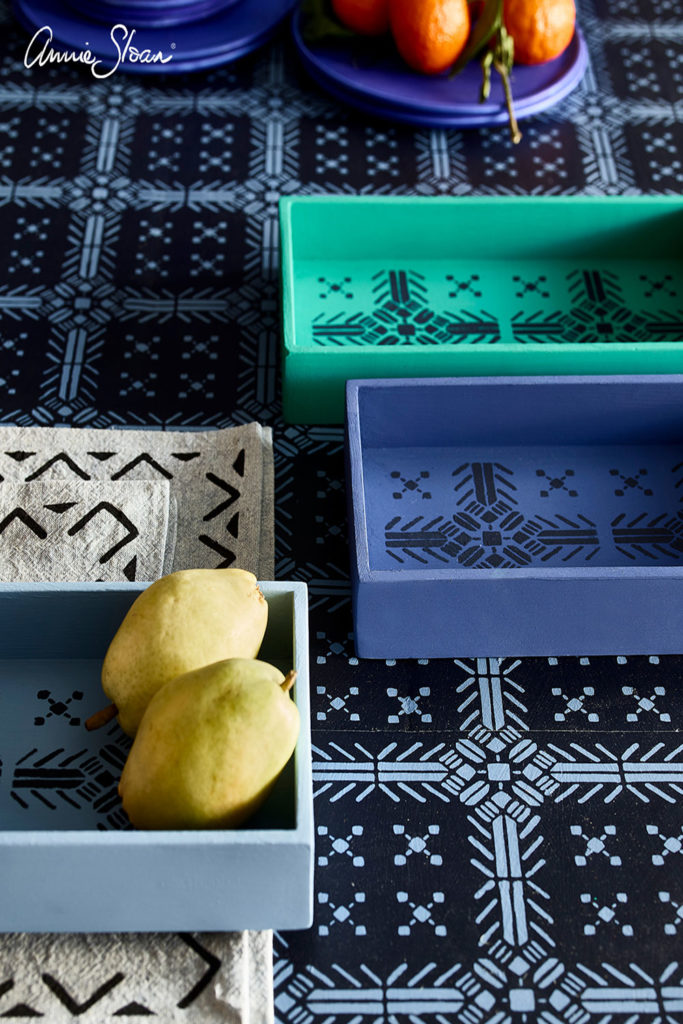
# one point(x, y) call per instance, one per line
point(288, 682)
point(101, 717)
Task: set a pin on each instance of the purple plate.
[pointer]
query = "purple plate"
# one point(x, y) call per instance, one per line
point(150, 5)
point(202, 44)
point(401, 115)
point(152, 15)
point(372, 76)
point(424, 118)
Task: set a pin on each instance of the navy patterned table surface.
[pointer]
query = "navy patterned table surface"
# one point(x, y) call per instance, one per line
point(496, 840)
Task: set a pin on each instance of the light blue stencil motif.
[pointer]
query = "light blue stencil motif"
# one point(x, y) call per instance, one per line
point(532, 805)
point(523, 989)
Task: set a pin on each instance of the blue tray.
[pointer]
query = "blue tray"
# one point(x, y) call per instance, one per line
point(69, 860)
point(516, 516)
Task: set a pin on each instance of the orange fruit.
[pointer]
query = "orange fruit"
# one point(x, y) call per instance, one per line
point(429, 34)
point(367, 17)
point(541, 29)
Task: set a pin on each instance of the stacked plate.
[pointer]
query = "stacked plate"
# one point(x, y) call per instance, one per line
point(149, 13)
point(376, 81)
point(173, 36)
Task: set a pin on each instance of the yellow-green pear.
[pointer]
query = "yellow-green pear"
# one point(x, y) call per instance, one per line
point(180, 622)
point(210, 746)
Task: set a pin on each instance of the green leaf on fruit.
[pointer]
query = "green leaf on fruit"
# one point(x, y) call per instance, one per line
point(318, 22)
point(485, 27)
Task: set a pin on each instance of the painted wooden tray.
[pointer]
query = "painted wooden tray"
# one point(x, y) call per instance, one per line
point(469, 286)
point(516, 516)
point(69, 860)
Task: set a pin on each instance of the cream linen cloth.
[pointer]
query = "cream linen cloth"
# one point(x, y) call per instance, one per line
point(220, 494)
point(83, 504)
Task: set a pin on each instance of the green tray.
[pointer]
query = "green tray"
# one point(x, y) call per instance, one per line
point(505, 285)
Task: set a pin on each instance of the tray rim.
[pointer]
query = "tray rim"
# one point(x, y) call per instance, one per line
point(359, 547)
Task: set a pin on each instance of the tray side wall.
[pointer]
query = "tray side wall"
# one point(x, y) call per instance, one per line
point(515, 618)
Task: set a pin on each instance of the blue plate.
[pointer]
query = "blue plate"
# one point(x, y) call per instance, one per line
point(374, 79)
point(150, 13)
point(195, 46)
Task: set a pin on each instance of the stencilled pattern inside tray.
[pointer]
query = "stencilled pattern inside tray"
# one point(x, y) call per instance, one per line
point(517, 507)
point(488, 302)
point(56, 774)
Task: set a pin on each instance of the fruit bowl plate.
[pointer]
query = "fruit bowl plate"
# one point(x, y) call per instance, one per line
point(69, 859)
point(370, 75)
point(523, 516)
point(407, 286)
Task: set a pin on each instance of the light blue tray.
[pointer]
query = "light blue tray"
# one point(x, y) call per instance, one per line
point(69, 860)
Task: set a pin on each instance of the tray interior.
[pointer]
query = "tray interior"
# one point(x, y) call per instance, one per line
point(55, 774)
point(505, 272)
point(496, 478)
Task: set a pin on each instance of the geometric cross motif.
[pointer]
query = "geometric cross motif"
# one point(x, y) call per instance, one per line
point(421, 913)
point(467, 285)
point(594, 845)
point(341, 914)
point(335, 648)
point(606, 914)
point(556, 483)
point(409, 705)
point(57, 707)
point(338, 846)
point(410, 485)
point(671, 845)
point(645, 705)
point(337, 703)
point(337, 288)
point(575, 704)
point(418, 846)
point(631, 482)
point(531, 287)
point(663, 284)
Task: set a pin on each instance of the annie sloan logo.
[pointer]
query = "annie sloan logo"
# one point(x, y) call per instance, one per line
point(40, 51)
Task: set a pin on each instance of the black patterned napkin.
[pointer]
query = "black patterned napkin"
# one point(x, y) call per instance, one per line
point(86, 530)
point(208, 978)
